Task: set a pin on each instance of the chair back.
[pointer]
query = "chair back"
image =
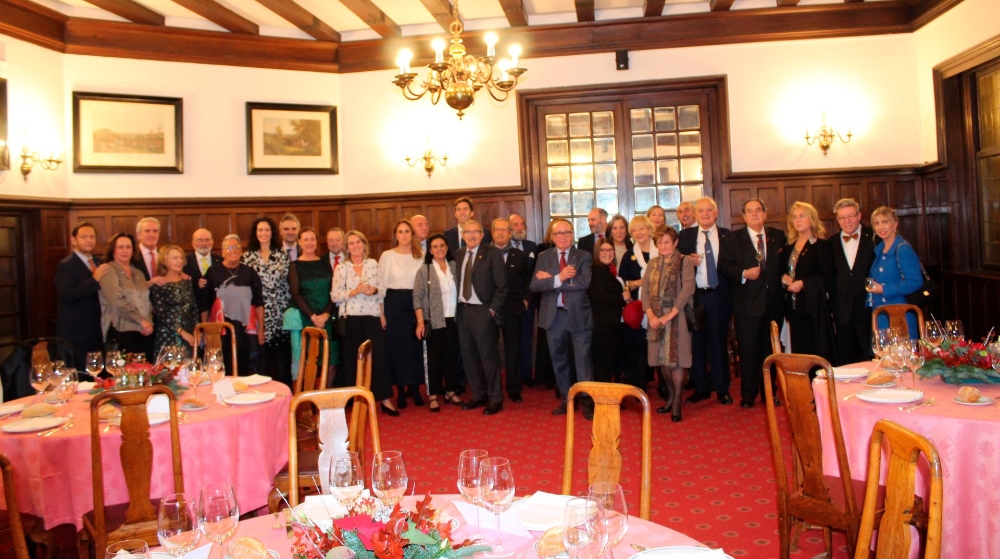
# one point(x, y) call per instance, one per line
point(775, 338)
point(137, 452)
point(905, 448)
point(13, 513)
point(897, 317)
point(209, 334)
point(326, 399)
point(359, 417)
point(605, 462)
point(806, 497)
point(314, 357)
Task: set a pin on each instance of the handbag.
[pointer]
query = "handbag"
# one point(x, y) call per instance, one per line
point(929, 292)
point(694, 313)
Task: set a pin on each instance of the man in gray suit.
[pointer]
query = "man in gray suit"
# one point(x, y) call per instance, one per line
point(562, 276)
point(482, 289)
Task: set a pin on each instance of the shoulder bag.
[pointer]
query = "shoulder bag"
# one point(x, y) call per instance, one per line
point(928, 292)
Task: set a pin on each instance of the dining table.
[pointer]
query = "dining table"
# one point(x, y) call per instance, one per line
point(967, 438)
point(246, 445)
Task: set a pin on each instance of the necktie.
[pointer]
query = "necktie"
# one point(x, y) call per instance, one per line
point(151, 264)
point(467, 277)
point(90, 263)
point(849, 238)
point(562, 264)
point(336, 261)
point(519, 245)
point(760, 249)
point(713, 274)
point(203, 264)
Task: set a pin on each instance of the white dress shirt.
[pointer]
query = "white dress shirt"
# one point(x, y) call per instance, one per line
point(449, 292)
point(397, 271)
point(701, 275)
point(474, 300)
point(851, 247)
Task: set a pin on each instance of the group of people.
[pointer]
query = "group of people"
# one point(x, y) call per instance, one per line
point(632, 298)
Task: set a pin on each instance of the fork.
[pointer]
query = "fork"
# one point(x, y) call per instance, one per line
point(54, 429)
point(927, 403)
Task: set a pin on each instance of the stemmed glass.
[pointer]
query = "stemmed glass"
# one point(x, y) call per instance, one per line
point(899, 355)
point(127, 549)
point(218, 513)
point(933, 334)
point(196, 375)
point(347, 479)
point(585, 533)
point(612, 499)
point(880, 344)
point(468, 481)
point(177, 524)
point(95, 363)
point(994, 351)
point(496, 492)
point(215, 367)
point(389, 477)
point(39, 377)
point(65, 384)
point(954, 330)
point(916, 360)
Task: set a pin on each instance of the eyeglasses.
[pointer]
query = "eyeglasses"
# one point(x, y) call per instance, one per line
point(847, 217)
point(561, 233)
point(231, 248)
point(607, 251)
point(473, 232)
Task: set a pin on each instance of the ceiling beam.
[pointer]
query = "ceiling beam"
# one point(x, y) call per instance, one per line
point(373, 17)
point(33, 23)
point(221, 16)
point(302, 18)
point(584, 10)
point(787, 3)
point(721, 5)
point(652, 8)
point(852, 1)
point(441, 10)
point(132, 11)
point(514, 10)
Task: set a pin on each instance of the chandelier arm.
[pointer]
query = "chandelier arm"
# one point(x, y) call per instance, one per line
point(493, 89)
point(408, 92)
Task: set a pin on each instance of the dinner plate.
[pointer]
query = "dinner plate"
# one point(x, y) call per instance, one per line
point(8, 409)
point(154, 419)
point(890, 396)
point(678, 551)
point(847, 373)
point(250, 398)
point(34, 424)
point(256, 380)
point(982, 401)
point(271, 552)
point(85, 386)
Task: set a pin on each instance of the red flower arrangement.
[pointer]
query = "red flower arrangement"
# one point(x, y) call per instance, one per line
point(959, 362)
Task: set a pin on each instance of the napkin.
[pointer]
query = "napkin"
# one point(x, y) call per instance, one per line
point(509, 524)
point(158, 403)
point(255, 379)
point(224, 390)
point(318, 508)
point(542, 511)
point(199, 552)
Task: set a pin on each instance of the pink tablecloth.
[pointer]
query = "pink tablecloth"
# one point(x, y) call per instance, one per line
point(968, 443)
point(245, 445)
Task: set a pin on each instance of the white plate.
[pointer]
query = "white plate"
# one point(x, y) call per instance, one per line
point(982, 401)
point(890, 396)
point(847, 373)
point(154, 419)
point(256, 380)
point(250, 398)
point(8, 409)
point(678, 551)
point(271, 552)
point(115, 417)
point(85, 386)
point(34, 424)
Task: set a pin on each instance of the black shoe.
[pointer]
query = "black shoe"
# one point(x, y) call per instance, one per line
point(676, 418)
point(474, 404)
point(777, 403)
point(561, 410)
point(697, 397)
point(559, 395)
point(434, 406)
point(516, 398)
point(417, 400)
point(401, 400)
point(725, 399)
point(389, 411)
point(528, 382)
point(746, 404)
point(493, 409)
point(663, 409)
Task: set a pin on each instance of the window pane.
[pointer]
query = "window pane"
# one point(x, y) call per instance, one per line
point(605, 176)
point(643, 173)
point(604, 149)
point(644, 199)
point(688, 117)
point(583, 202)
point(583, 177)
point(604, 123)
point(666, 145)
point(672, 221)
point(642, 120)
point(579, 124)
point(642, 146)
point(691, 192)
point(989, 188)
point(690, 143)
point(666, 119)
point(560, 203)
point(691, 169)
point(580, 151)
point(580, 227)
point(669, 196)
point(558, 151)
point(555, 126)
point(608, 201)
point(558, 178)
point(666, 170)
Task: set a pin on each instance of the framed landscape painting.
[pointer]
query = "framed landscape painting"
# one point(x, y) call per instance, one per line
point(4, 150)
point(291, 139)
point(127, 134)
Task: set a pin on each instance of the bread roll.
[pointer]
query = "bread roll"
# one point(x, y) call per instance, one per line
point(880, 377)
point(968, 394)
point(239, 386)
point(38, 410)
point(247, 548)
point(551, 544)
point(194, 402)
point(107, 412)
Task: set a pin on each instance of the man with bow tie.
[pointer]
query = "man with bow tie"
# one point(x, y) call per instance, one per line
point(853, 254)
point(514, 306)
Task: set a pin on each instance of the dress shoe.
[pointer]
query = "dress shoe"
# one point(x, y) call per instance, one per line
point(746, 404)
point(697, 397)
point(663, 409)
point(675, 417)
point(417, 400)
point(493, 409)
point(516, 398)
point(561, 410)
point(725, 399)
point(389, 411)
point(528, 382)
point(474, 404)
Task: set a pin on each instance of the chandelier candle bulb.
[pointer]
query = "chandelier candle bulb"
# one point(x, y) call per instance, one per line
point(438, 47)
point(514, 51)
point(491, 44)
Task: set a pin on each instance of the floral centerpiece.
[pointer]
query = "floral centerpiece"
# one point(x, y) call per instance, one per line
point(959, 362)
point(141, 374)
point(371, 532)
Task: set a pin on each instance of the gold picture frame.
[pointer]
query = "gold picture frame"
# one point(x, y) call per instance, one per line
point(284, 139)
point(127, 133)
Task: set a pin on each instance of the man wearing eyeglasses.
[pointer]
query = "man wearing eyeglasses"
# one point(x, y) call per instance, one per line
point(853, 255)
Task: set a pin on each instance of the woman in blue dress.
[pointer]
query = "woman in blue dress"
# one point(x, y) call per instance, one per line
point(896, 270)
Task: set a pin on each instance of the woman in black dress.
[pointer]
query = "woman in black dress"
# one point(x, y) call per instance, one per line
point(174, 308)
point(607, 298)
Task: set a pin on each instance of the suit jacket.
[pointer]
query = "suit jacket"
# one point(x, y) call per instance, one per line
point(530, 249)
point(138, 262)
point(574, 291)
point(762, 296)
point(687, 243)
point(79, 310)
point(586, 243)
point(192, 269)
point(605, 294)
point(489, 279)
point(518, 278)
point(454, 242)
point(847, 291)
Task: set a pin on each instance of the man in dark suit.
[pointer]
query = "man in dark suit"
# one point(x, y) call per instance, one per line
point(597, 220)
point(562, 276)
point(685, 215)
point(482, 290)
point(514, 307)
point(464, 211)
point(853, 254)
point(199, 261)
point(519, 240)
point(709, 366)
point(749, 258)
point(77, 279)
point(421, 230)
point(147, 233)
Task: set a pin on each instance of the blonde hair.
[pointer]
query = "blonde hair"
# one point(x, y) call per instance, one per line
point(884, 211)
point(161, 258)
point(815, 224)
point(364, 241)
point(414, 245)
point(641, 221)
point(846, 203)
point(552, 224)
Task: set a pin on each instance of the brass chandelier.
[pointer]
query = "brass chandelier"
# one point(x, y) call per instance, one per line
point(462, 76)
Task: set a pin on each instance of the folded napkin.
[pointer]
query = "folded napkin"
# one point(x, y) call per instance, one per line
point(509, 524)
point(255, 379)
point(158, 403)
point(693, 553)
point(85, 386)
point(542, 511)
point(321, 509)
point(223, 390)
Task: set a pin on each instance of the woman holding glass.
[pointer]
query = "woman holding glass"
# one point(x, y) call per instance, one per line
point(265, 256)
point(309, 281)
point(397, 269)
point(173, 302)
point(126, 315)
point(896, 271)
point(356, 290)
point(435, 297)
point(631, 270)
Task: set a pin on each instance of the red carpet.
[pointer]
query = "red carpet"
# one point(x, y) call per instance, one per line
point(713, 475)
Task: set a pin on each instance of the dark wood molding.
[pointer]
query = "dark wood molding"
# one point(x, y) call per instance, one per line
point(799, 174)
point(34, 202)
point(132, 11)
point(787, 3)
point(720, 5)
point(373, 17)
point(35, 24)
point(977, 55)
point(221, 16)
point(925, 11)
point(514, 10)
point(442, 12)
point(652, 8)
point(302, 18)
point(584, 11)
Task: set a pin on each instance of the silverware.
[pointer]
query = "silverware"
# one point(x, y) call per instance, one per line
point(54, 429)
point(638, 547)
point(927, 403)
point(849, 396)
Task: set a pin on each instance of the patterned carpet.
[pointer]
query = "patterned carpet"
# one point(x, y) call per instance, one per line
point(713, 476)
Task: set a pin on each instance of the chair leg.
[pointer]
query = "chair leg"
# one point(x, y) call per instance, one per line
point(83, 545)
point(797, 526)
point(45, 544)
point(785, 539)
point(828, 541)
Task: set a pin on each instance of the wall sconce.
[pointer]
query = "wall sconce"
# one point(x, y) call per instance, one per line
point(825, 136)
point(430, 159)
point(31, 158)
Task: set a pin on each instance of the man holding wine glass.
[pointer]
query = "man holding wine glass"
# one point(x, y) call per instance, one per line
point(853, 254)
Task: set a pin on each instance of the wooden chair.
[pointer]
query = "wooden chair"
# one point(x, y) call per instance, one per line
point(135, 519)
point(775, 338)
point(902, 507)
point(806, 497)
point(212, 332)
point(312, 360)
point(605, 462)
point(326, 399)
point(359, 415)
point(11, 526)
point(897, 317)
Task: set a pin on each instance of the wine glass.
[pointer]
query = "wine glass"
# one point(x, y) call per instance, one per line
point(95, 363)
point(39, 378)
point(612, 499)
point(127, 549)
point(218, 513)
point(65, 384)
point(880, 343)
point(496, 492)
point(177, 524)
point(585, 533)
point(347, 479)
point(994, 351)
point(900, 353)
point(933, 333)
point(389, 477)
point(954, 330)
point(869, 284)
point(468, 481)
point(215, 367)
point(916, 360)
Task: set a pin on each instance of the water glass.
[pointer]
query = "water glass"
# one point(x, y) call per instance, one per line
point(933, 333)
point(612, 499)
point(389, 479)
point(127, 549)
point(496, 493)
point(880, 344)
point(95, 363)
point(218, 513)
point(39, 378)
point(347, 479)
point(468, 481)
point(916, 359)
point(954, 330)
point(177, 524)
point(585, 533)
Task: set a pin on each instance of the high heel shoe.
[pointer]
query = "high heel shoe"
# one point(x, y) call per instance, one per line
point(433, 405)
point(675, 417)
point(389, 411)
